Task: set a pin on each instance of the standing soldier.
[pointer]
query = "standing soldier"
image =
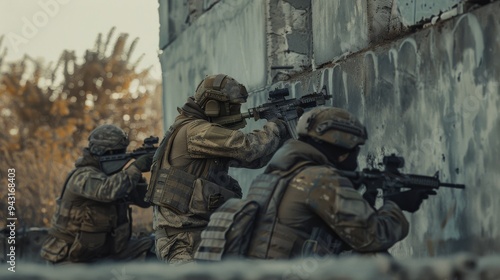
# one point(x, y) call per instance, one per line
point(92, 219)
point(190, 169)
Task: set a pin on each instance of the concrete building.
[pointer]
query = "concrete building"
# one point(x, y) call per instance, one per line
point(421, 75)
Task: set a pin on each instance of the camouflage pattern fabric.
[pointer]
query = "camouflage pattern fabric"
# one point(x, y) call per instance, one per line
point(106, 138)
point(178, 248)
point(137, 249)
point(317, 197)
point(207, 150)
point(332, 125)
point(91, 183)
point(92, 218)
point(222, 88)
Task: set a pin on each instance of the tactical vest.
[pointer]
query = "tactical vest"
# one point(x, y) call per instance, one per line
point(92, 229)
point(180, 191)
point(250, 227)
point(272, 239)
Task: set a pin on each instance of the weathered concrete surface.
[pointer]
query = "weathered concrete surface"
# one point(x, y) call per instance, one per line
point(431, 96)
point(176, 16)
point(339, 28)
point(415, 11)
point(229, 39)
point(464, 267)
point(289, 38)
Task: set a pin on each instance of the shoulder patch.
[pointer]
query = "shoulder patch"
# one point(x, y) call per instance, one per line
point(320, 179)
point(82, 178)
point(218, 135)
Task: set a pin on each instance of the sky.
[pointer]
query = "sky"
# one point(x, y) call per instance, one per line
point(45, 28)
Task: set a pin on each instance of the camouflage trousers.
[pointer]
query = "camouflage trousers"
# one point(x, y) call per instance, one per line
point(177, 248)
point(138, 249)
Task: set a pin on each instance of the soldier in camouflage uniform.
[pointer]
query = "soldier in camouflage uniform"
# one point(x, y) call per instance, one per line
point(310, 208)
point(92, 220)
point(190, 169)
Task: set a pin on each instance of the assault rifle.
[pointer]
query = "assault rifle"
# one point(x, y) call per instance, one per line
point(113, 163)
point(288, 110)
point(390, 180)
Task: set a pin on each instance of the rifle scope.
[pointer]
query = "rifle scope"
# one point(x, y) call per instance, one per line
point(278, 93)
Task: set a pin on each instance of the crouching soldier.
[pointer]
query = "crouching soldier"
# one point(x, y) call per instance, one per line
point(302, 205)
point(92, 220)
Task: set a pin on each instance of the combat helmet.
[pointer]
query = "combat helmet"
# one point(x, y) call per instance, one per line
point(220, 96)
point(332, 125)
point(107, 139)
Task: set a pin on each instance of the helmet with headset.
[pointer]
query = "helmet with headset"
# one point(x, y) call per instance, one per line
point(220, 96)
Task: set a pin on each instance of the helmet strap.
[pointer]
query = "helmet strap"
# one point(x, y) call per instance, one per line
point(217, 84)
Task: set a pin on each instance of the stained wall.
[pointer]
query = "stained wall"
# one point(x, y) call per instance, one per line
point(421, 76)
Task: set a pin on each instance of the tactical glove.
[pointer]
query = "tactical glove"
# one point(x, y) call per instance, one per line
point(409, 200)
point(144, 162)
point(371, 196)
point(137, 194)
point(284, 135)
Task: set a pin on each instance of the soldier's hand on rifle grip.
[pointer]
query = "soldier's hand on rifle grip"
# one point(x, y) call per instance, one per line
point(144, 162)
point(270, 115)
point(409, 200)
point(137, 194)
point(370, 196)
point(299, 111)
point(283, 129)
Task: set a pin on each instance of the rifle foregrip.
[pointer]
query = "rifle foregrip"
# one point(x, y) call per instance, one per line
point(423, 182)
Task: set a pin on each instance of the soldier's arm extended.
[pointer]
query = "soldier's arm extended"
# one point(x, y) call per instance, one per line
point(345, 211)
point(95, 185)
point(250, 150)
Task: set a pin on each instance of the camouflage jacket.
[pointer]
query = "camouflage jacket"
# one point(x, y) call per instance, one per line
point(92, 206)
point(317, 197)
point(207, 150)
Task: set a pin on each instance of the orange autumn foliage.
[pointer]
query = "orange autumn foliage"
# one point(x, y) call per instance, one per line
point(48, 111)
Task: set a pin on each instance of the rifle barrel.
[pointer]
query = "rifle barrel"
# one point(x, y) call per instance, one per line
point(247, 115)
point(450, 185)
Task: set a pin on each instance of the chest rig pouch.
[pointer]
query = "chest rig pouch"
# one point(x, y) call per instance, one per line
point(272, 239)
point(181, 191)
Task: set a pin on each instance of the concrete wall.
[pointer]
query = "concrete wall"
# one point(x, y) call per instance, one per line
point(415, 11)
point(427, 88)
point(227, 39)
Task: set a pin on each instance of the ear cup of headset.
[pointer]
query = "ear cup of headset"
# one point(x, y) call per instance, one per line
point(212, 108)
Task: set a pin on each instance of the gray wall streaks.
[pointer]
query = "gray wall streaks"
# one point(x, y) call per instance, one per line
point(339, 28)
point(231, 40)
point(289, 40)
point(176, 16)
point(415, 11)
point(431, 96)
